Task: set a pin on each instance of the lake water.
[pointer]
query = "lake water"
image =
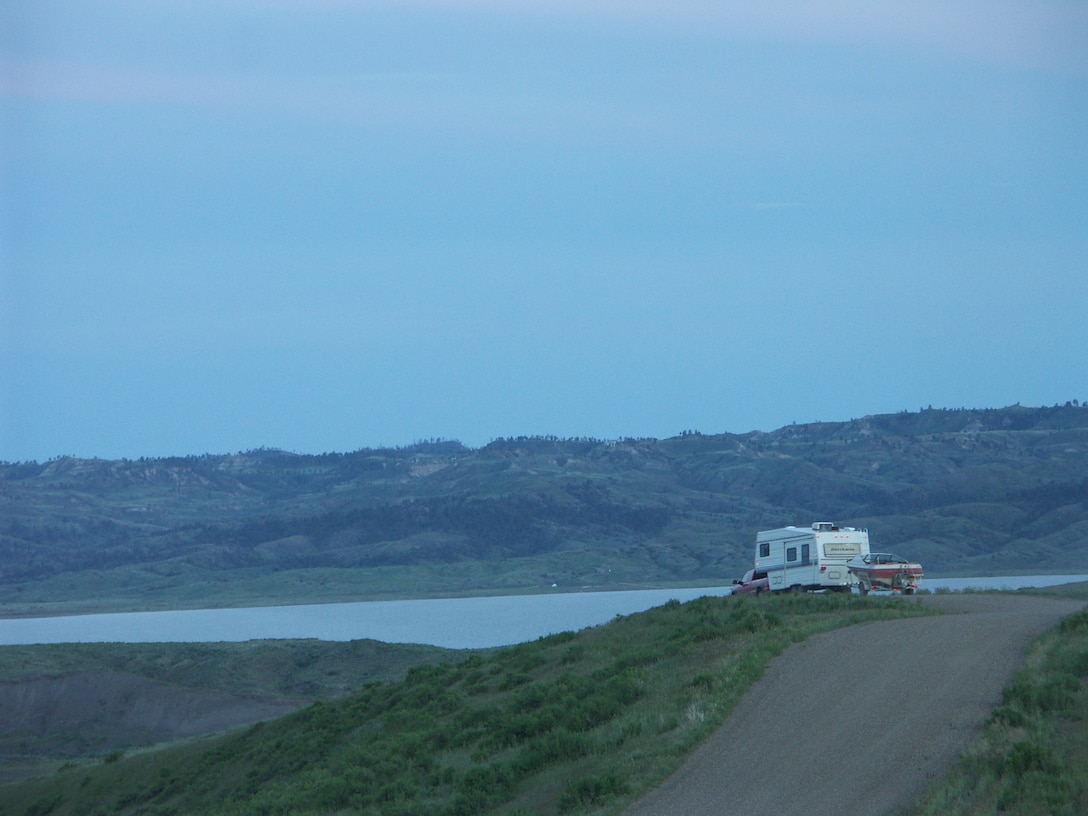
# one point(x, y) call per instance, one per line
point(456, 623)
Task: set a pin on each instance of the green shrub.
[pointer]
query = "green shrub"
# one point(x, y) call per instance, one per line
point(1009, 715)
point(555, 746)
point(1028, 694)
point(704, 681)
point(1075, 624)
point(480, 787)
point(574, 654)
point(591, 790)
point(1027, 756)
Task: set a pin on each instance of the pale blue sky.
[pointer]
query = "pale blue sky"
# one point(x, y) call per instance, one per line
point(334, 225)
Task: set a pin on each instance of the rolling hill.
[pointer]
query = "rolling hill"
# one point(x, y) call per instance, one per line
point(965, 491)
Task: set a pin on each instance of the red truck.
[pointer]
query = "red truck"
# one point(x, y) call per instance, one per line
point(753, 583)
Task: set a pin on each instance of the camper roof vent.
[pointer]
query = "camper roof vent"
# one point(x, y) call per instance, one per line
point(823, 526)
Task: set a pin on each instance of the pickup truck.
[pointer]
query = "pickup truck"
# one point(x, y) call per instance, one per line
point(753, 583)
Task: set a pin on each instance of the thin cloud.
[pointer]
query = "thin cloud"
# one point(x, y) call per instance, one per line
point(381, 101)
point(1039, 33)
point(1047, 34)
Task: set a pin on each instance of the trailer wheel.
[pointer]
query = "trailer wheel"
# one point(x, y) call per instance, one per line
point(863, 588)
point(795, 589)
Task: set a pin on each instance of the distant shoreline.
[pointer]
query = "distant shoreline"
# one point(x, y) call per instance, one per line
point(472, 622)
point(16, 611)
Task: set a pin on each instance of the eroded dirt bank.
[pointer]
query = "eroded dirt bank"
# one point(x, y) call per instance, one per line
point(96, 712)
point(857, 720)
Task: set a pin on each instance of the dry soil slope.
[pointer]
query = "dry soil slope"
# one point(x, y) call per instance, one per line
point(99, 711)
point(857, 720)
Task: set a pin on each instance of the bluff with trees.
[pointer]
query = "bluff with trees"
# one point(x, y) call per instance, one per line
point(964, 491)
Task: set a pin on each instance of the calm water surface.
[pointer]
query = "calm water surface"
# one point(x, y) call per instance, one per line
point(456, 623)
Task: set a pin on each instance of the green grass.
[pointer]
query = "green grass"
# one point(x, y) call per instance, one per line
point(576, 723)
point(1032, 759)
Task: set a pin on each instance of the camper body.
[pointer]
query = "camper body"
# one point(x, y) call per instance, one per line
point(810, 558)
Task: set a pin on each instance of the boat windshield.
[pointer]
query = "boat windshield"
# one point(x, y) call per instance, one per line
point(885, 558)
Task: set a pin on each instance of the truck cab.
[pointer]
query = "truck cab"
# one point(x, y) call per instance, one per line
point(753, 583)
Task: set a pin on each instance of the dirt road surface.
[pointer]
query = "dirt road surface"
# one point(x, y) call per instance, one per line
point(859, 720)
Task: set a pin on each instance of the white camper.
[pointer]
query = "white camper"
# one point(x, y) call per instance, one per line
point(803, 558)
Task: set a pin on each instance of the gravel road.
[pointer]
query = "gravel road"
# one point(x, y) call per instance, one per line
point(858, 720)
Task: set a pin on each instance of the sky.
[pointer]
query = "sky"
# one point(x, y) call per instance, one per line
point(333, 225)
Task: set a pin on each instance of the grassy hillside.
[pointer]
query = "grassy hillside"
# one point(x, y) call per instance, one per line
point(965, 491)
point(572, 723)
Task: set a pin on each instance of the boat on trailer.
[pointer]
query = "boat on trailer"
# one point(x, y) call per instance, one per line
point(885, 571)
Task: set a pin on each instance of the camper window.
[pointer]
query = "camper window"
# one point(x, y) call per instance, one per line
point(765, 549)
point(791, 554)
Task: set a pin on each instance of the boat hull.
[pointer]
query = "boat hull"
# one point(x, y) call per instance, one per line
point(882, 571)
